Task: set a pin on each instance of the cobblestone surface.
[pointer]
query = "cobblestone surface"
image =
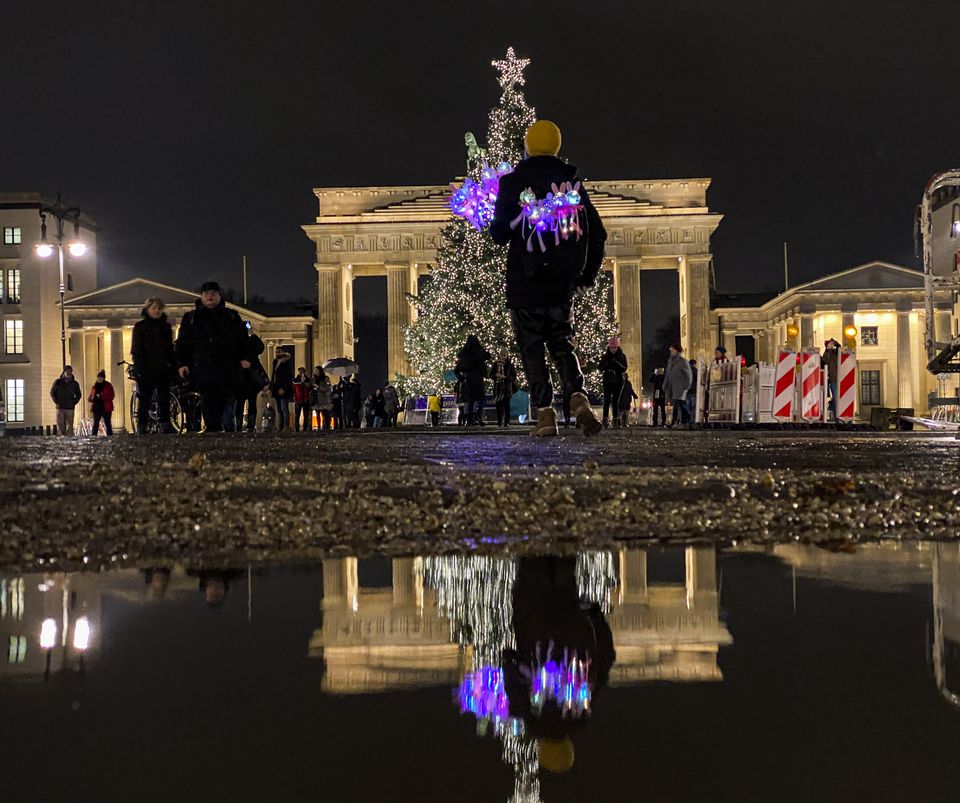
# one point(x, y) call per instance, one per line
point(259, 498)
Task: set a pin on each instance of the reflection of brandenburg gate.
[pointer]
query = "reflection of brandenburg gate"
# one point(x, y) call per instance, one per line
point(373, 640)
point(394, 232)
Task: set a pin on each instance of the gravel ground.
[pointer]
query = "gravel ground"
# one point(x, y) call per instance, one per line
point(267, 498)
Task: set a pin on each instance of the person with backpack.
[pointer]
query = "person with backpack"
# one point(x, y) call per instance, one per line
point(101, 404)
point(541, 281)
point(613, 366)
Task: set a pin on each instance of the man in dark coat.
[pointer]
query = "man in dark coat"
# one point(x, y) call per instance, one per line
point(613, 365)
point(66, 394)
point(471, 369)
point(153, 363)
point(281, 385)
point(541, 284)
point(659, 400)
point(831, 361)
point(212, 348)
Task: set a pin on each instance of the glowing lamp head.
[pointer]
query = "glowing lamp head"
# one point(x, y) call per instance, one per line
point(77, 248)
point(850, 331)
point(44, 250)
point(792, 331)
point(81, 634)
point(48, 634)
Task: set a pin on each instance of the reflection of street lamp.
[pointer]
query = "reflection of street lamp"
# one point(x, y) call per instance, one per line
point(76, 247)
point(48, 638)
point(81, 634)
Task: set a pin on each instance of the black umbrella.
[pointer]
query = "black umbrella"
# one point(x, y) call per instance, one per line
point(340, 366)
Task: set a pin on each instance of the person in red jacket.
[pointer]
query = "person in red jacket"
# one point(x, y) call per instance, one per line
point(302, 386)
point(101, 403)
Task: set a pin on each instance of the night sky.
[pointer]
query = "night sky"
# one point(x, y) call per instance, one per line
point(193, 132)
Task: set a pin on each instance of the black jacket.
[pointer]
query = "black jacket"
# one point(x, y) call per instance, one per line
point(65, 394)
point(505, 387)
point(472, 362)
point(282, 379)
point(613, 364)
point(152, 348)
point(545, 278)
point(211, 343)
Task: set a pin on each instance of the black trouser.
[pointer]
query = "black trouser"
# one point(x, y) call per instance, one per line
point(476, 396)
point(302, 409)
point(146, 387)
point(435, 418)
point(611, 397)
point(215, 400)
point(550, 327)
point(680, 412)
point(503, 412)
point(660, 403)
point(251, 402)
point(106, 423)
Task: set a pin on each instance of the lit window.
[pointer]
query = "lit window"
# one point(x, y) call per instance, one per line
point(869, 388)
point(17, 651)
point(14, 339)
point(14, 399)
point(13, 286)
point(869, 336)
point(12, 235)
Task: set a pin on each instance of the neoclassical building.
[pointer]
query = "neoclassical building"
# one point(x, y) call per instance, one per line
point(394, 232)
point(884, 302)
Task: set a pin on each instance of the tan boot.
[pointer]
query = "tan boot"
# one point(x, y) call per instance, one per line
point(586, 418)
point(546, 423)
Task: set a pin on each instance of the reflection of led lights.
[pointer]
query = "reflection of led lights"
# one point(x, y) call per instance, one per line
point(48, 634)
point(81, 634)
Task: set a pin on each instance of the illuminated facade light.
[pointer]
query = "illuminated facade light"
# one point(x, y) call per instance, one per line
point(48, 634)
point(77, 248)
point(44, 250)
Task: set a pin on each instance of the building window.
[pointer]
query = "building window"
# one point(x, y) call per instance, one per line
point(70, 282)
point(13, 286)
point(17, 651)
point(12, 235)
point(869, 388)
point(14, 398)
point(14, 339)
point(869, 336)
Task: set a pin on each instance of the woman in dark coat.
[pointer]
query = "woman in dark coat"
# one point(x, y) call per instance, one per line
point(504, 377)
point(282, 387)
point(613, 365)
point(471, 369)
point(154, 362)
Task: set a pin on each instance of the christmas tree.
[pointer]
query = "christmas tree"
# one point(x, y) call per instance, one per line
point(466, 291)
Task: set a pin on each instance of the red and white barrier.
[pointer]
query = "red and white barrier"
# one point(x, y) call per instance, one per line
point(783, 385)
point(811, 390)
point(846, 386)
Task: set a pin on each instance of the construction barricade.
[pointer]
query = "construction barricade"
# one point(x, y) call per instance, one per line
point(846, 400)
point(725, 384)
point(811, 386)
point(783, 386)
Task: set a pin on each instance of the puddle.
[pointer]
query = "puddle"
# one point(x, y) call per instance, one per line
point(792, 673)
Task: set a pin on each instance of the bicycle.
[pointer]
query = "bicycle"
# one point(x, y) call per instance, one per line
point(186, 406)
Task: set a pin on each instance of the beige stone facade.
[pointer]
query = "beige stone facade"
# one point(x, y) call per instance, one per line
point(30, 306)
point(886, 305)
point(100, 330)
point(395, 231)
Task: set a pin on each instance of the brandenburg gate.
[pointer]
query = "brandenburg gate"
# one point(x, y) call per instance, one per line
point(394, 232)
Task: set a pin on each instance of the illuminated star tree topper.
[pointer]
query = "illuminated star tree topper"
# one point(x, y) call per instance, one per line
point(511, 69)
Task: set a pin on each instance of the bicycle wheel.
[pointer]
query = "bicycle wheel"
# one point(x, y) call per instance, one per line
point(134, 409)
point(177, 418)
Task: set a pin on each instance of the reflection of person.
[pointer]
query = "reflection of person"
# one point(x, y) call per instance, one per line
point(156, 580)
point(556, 633)
point(214, 584)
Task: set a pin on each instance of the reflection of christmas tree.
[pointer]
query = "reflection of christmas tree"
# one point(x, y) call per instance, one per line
point(475, 593)
point(465, 293)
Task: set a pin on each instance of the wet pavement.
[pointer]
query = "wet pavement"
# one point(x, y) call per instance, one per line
point(788, 673)
point(75, 503)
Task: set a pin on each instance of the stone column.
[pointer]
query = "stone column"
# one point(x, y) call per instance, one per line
point(806, 331)
point(626, 280)
point(404, 577)
point(730, 342)
point(398, 319)
point(701, 566)
point(330, 312)
point(904, 365)
point(695, 306)
point(633, 573)
point(117, 375)
point(942, 323)
point(340, 581)
point(300, 349)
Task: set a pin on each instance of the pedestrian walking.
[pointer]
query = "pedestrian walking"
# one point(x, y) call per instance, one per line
point(355, 396)
point(322, 399)
point(692, 393)
point(504, 376)
point(336, 396)
point(676, 384)
point(659, 400)
point(434, 407)
point(379, 408)
point(281, 385)
point(460, 397)
point(212, 347)
point(154, 364)
point(302, 389)
point(613, 366)
point(471, 369)
point(66, 394)
point(627, 397)
point(831, 361)
point(101, 404)
point(391, 405)
point(541, 284)
point(252, 382)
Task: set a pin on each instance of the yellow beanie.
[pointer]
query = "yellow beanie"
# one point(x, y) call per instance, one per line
point(556, 755)
point(542, 139)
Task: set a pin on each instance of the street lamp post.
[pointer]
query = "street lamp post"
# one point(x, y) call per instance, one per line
point(44, 250)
